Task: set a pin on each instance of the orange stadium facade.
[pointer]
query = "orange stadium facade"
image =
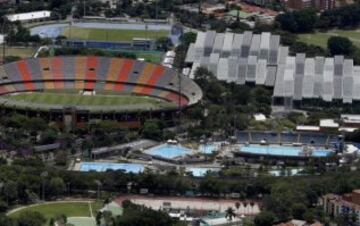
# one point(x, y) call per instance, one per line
point(96, 74)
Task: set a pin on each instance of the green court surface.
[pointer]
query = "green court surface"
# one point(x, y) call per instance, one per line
point(115, 35)
point(82, 221)
point(53, 209)
point(321, 38)
point(74, 99)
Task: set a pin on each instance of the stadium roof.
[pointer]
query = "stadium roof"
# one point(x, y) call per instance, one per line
point(260, 58)
point(29, 16)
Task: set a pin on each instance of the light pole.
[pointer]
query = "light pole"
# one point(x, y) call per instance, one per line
point(84, 9)
point(98, 183)
point(4, 41)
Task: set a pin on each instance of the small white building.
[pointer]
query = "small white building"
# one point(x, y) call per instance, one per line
point(306, 128)
point(350, 120)
point(329, 124)
point(30, 16)
point(259, 117)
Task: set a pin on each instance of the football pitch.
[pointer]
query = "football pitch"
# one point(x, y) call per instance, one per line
point(83, 209)
point(74, 99)
point(116, 35)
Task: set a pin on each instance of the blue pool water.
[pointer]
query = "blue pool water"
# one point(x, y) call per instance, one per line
point(199, 172)
point(103, 166)
point(281, 150)
point(207, 148)
point(169, 151)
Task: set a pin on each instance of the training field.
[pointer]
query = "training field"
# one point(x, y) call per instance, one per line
point(74, 99)
point(115, 35)
point(321, 38)
point(53, 209)
point(22, 52)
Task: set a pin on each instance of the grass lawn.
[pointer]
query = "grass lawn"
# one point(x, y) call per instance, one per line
point(73, 99)
point(320, 38)
point(115, 35)
point(70, 209)
point(150, 57)
point(23, 52)
point(70, 98)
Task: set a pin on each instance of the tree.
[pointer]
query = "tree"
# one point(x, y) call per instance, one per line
point(163, 44)
point(298, 21)
point(340, 46)
point(30, 218)
point(188, 38)
point(152, 130)
point(298, 210)
point(230, 213)
point(57, 186)
point(10, 190)
point(264, 218)
point(6, 221)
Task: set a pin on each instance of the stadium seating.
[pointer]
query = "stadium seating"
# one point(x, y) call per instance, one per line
point(313, 138)
point(288, 138)
point(98, 74)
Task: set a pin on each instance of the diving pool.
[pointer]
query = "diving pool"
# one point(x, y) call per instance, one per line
point(168, 151)
point(282, 151)
point(103, 166)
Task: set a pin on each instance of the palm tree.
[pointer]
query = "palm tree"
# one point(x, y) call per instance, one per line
point(229, 213)
point(237, 205)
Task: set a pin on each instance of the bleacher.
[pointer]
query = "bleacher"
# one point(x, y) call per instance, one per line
point(288, 138)
point(98, 74)
point(242, 136)
point(316, 139)
point(313, 138)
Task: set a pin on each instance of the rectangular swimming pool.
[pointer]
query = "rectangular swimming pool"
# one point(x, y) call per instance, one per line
point(281, 150)
point(104, 166)
point(168, 151)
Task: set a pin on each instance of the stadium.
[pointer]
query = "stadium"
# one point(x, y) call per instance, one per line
point(76, 90)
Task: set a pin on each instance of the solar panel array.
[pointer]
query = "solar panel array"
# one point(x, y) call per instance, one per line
point(261, 60)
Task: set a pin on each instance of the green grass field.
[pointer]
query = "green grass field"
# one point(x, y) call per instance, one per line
point(22, 52)
point(70, 209)
point(111, 35)
point(321, 38)
point(72, 99)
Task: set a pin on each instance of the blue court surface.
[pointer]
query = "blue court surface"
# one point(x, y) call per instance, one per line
point(169, 151)
point(282, 151)
point(103, 166)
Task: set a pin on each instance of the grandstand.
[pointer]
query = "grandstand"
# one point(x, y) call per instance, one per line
point(313, 139)
point(260, 59)
point(95, 75)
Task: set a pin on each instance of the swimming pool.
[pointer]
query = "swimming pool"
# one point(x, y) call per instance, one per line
point(281, 151)
point(103, 166)
point(169, 151)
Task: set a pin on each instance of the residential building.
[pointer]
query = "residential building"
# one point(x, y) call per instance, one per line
point(335, 205)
